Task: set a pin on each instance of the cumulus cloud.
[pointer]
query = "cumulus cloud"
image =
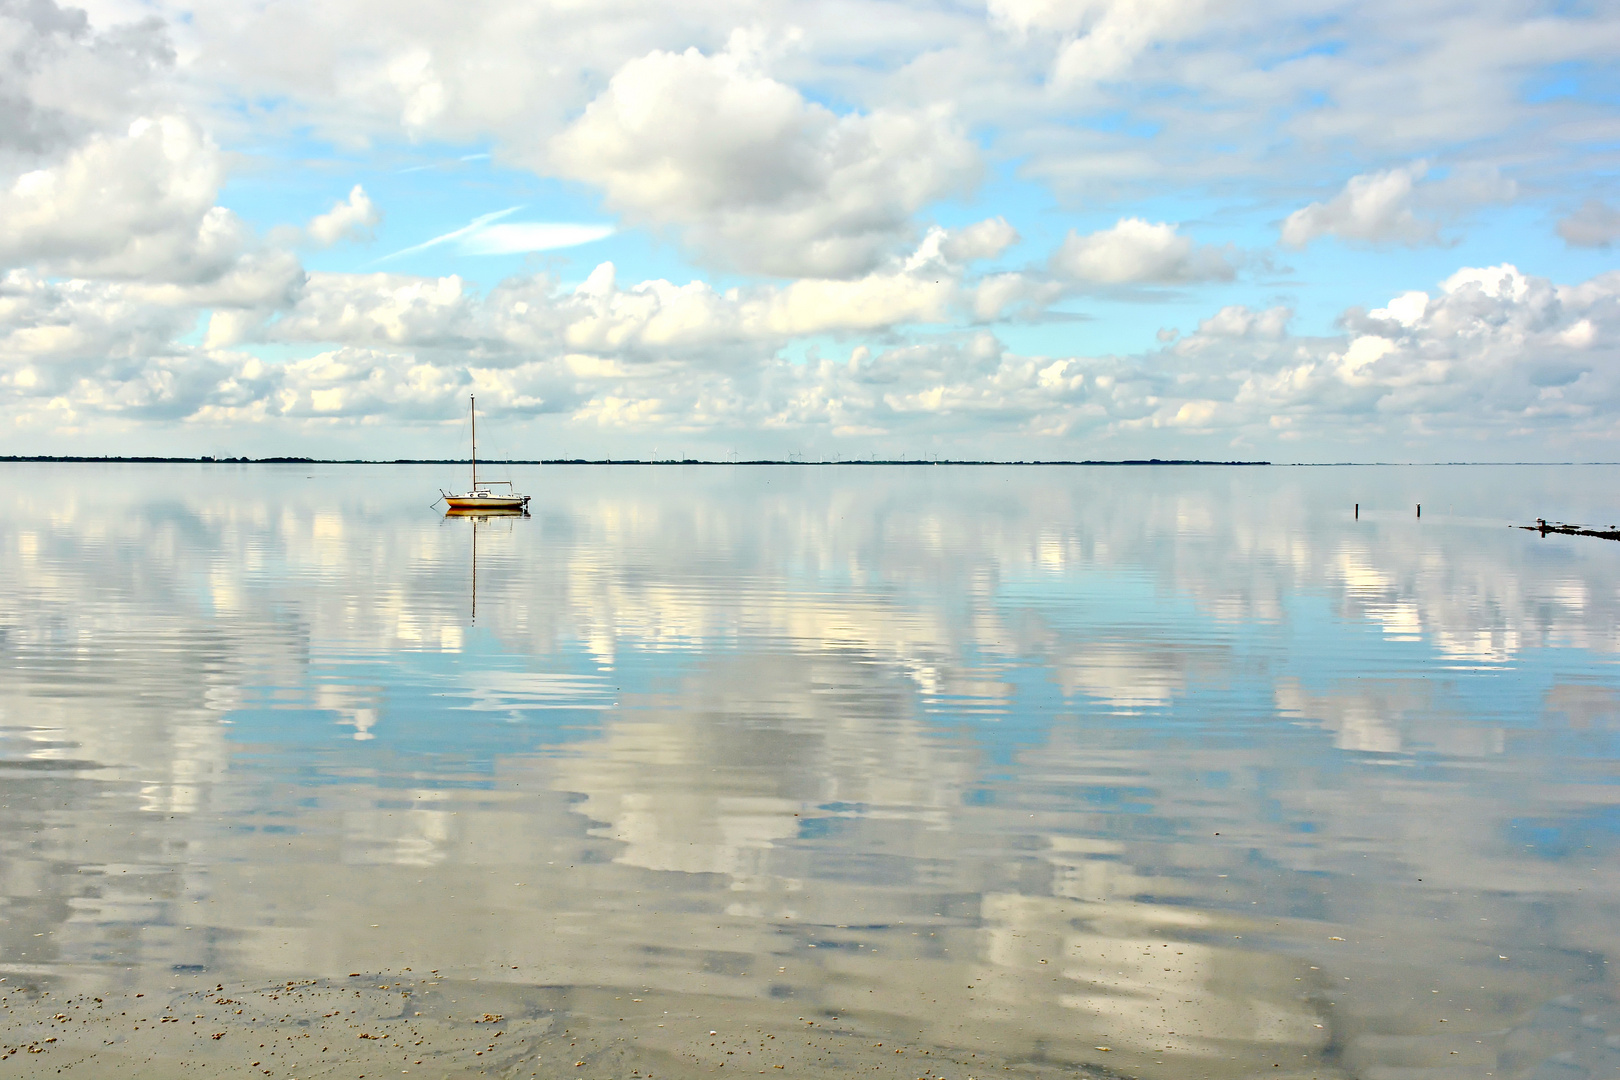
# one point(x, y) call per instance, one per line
point(352, 383)
point(1239, 321)
point(1489, 354)
point(62, 80)
point(1134, 252)
point(1470, 185)
point(1399, 206)
point(649, 322)
point(1278, 88)
point(97, 190)
point(1100, 39)
point(1372, 208)
point(1014, 295)
point(1595, 225)
point(82, 349)
point(369, 310)
point(982, 240)
point(1024, 16)
point(752, 174)
point(51, 327)
point(1120, 33)
point(646, 323)
point(351, 219)
point(139, 205)
point(1493, 351)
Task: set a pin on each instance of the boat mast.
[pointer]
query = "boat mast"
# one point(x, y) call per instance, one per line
point(472, 406)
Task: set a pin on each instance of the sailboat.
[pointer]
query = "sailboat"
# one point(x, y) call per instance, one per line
point(481, 497)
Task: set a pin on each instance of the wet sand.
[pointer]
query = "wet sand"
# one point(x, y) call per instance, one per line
point(403, 1024)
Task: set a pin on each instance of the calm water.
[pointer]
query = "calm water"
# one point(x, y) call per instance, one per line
point(1187, 763)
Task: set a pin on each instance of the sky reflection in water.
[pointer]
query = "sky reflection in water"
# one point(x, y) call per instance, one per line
point(1188, 763)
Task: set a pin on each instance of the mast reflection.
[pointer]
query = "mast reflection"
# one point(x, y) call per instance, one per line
point(481, 517)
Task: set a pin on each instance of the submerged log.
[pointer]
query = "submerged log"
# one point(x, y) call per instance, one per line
point(1544, 527)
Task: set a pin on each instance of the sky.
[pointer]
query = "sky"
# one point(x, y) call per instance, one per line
point(1020, 229)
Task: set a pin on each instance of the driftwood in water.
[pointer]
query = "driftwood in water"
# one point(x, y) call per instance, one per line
point(1544, 527)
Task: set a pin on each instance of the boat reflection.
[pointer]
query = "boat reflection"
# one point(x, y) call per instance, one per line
point(481, 516)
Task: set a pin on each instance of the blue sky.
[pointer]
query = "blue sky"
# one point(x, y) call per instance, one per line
point(1031, 228)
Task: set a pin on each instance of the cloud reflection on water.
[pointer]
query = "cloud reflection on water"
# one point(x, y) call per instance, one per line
point(972, 752)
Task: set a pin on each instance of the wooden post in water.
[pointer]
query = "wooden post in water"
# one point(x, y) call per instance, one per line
point(1420, 509)
point(1358, 511)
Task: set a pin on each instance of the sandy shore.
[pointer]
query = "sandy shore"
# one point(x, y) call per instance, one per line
point(410, 1024)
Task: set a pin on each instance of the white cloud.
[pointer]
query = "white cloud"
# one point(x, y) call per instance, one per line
point(1495, 351)
point(64, 80)
point(353, 383)
point(1238, 321)
point(1372, 208)
point(649, 322)
point(350, 219)
point(139, 205)
point(1099, 40)
point(1399, 206)
point(1470, 185)
point(982, 240)
point(1025, 16)
point(1595, 225)
point(1267, 91)
point(1014, 295)
point(752, 174)
point(50, 326)
point(1134, 251)
point(139, 208)
point(1496, 282)
point(1490, 355)
point(368, 310)
point(1121, 31)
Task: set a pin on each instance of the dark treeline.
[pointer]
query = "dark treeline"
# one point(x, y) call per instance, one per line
point(576, 461)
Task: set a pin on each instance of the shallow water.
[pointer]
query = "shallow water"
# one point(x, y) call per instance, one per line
point(1190, 764)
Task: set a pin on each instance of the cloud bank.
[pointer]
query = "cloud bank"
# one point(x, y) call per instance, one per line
point(1490, 354)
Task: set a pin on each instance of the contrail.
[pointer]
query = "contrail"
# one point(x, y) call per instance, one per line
point(471, 227)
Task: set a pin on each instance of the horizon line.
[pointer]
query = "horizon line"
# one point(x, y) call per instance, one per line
point(156, 459)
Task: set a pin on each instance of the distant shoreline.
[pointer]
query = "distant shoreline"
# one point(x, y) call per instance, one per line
point(78, 459)
point(70, 459)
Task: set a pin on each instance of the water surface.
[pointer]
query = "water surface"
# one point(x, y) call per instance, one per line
point(1191, 764)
